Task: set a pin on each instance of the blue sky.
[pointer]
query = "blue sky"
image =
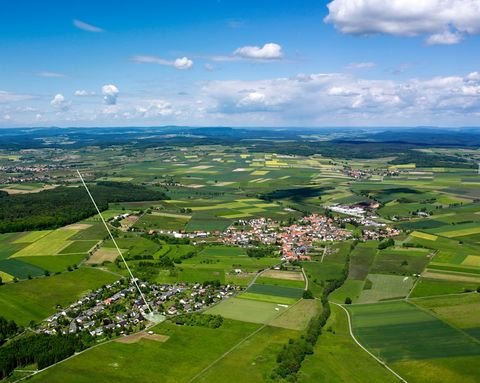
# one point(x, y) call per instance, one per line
point(240, 63)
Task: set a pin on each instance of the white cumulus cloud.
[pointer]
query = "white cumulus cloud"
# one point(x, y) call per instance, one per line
point(268, 52)
point(441, 21)
point(60, 103)
point(110, 93)
point(181, 63)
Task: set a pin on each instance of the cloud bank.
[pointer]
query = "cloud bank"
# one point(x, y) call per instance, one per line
point(441, 21)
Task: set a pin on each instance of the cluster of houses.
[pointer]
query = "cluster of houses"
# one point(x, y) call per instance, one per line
point(14, 174)
point(294, 240)
point(297, 239)
point(119, 309)
point(361, 174)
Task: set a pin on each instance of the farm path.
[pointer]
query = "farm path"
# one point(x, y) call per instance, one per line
point(363, 348)
point(227, 353)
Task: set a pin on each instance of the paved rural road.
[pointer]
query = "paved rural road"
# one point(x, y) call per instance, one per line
point(363, 348)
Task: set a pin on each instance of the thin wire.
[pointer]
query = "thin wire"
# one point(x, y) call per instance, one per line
point(115, 243)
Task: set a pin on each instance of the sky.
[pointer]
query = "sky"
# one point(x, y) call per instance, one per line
point(241, 63)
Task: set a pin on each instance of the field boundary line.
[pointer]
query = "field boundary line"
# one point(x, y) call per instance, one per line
point(413, 287)
point(431, 313)
point(226, 353)
point(441, 295)
point(363, 348)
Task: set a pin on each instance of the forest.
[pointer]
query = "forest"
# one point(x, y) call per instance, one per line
point(61, 206)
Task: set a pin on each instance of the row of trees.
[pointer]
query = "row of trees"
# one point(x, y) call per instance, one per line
point(41, 349)
point(202, 320)
point(290, 358)
point(8, 328)
point(65, 205)
point(261, 251)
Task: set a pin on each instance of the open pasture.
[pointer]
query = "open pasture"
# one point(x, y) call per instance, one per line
point(401, 261)
point(383, 287)
point(463, 369)
point(53, 263)
point(397, 331)
point(215, 251)
point(247, 310)
point(458, 310)
point(252, 361)
point(428, 287)
point(298, 315)
point(188, 350)
point(37, 298)
point(351, 288)
point(334, 348)
point(162, 221)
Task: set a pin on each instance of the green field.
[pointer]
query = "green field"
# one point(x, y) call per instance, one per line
point(280, 282)
point(428, 287)
point(247, 310)
point(458, 310)
point(20, 269)
point(162, 221)
point(337, 359)
point(32, 236)
point(252, 361)
point(49, 244)
point(361, 259)
point(385, 287)
point(298, 315)
point(78, 247)
point(54, 263)
point(184, 355)
point(400, 261)
point(397, 331)
point(280, 291)
point(350, 289)
point(215, 251)
point(37, 298)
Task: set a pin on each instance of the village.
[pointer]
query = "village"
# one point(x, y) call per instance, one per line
point(296, 240)
point(117, 309)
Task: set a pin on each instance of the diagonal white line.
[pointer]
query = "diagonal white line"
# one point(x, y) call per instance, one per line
point(115, 243)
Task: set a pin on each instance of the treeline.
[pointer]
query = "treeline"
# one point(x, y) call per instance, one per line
point(41, 349)
point(65, 205)
point(261, 252)
point(202, 320)
point(427, 160)
point(290, 358)
point(8, 328)
point(386, 243)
